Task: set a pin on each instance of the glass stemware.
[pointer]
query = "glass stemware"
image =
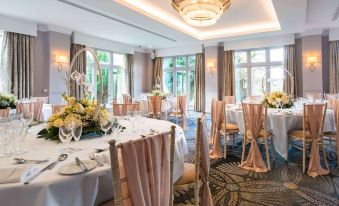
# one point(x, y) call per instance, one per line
point(76, 131)
point(106, 125)
point(65, 133)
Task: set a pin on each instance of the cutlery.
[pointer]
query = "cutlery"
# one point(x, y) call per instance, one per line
point(61, 158)
point(26, 161)
point(81, 164)
point(93, 157)
point(100, 150)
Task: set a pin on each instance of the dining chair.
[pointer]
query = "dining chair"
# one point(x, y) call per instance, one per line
point(4, 113)
point(213, 114)
point(27, 109)
point(229, 130)
point(312, 133)
point(196, 175)
point(129, 186)
point(124, 109)
point(217, 128)
point(229, 100)
point(57, 108)
point(126, 98)
point(180, 111)
point(154, 106)
point(313, 95)
point(256, 132)
point(332, 136)
point(44, 100)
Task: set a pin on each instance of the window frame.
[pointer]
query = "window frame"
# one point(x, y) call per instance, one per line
point(268, 64)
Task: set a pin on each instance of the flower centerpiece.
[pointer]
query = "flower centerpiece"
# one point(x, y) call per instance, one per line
point(278, 100)
point(7, 100)
point(157, 92)
point(77, 111)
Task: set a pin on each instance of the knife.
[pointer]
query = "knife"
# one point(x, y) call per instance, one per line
point(40, 172)
point(81, 164)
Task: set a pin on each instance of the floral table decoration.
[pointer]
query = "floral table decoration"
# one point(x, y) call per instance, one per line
point(278, 99)
point(7, 100)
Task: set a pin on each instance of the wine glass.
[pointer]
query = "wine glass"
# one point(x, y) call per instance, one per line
point(132, 118)
point(106, 125)
point(116, 129)
point(65, 133)
point(76, 131)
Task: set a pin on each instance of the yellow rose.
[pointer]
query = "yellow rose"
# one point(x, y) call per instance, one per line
point(79, 108)
point(49, 125)
point(53, 118)
point(58, 123)
point(71, 100)
point(89, 110)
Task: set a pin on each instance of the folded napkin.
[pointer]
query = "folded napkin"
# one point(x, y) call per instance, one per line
point(103, 157)
point(17, 174)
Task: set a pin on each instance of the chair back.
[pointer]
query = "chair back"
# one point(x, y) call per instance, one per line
point(229, 99)
point(27, 109)
point(123, 109)
point(142, 170)
point(126, 99)
point(4, 113)
point(212, 133)
point(154, 106)
point(255, 118)
point(44, 100)
point(313, 95)
point(182, 107)
point(218, 120)
point(57, 108)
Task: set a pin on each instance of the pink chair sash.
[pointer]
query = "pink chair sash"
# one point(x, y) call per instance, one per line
point(123, 109)
point(126, 98)
point(182, 104)
point(44, 100)
point(4, 113)
point(154, 105)
point(206, 196)
point(147, 168)
point(253, 116)
point(229, 100)
point(315, 116)
point(212, 134)
point(219, 117)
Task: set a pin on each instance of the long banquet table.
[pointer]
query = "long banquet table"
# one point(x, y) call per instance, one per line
point(91, 188)
point(280, 121)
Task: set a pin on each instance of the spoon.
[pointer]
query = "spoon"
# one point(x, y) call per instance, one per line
point(92, 156)
point(25, 161)
point(61, 158)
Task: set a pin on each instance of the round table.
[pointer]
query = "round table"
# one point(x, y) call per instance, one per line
point(280, 121)
point(91, 188)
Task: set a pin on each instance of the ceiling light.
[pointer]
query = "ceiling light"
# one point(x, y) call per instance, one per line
point(201, 12)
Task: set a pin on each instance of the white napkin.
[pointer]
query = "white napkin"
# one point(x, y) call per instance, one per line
point(103, 157)
point(17, 174)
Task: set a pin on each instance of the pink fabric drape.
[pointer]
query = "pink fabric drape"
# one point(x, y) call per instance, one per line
point(315, 116)
point(147, 168)
point(212, 121)
point(182, 104)
point(154, 105)
point(219, 117)
point(44, 100)
point(253, 116)
point(229, 100)
point(126, 98)
point(4, 113)
point(123, 109)
point(206, 196)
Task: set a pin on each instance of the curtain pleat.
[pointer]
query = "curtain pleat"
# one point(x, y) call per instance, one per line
point(334, 67)
point(79, 66)
point(157, 71)
point(199, 103)
point(228, 85)
point(130, 75)
point(290, 65)
point(17, 64)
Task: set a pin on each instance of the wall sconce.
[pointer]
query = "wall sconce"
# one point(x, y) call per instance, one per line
point(312, 60)
point(211, 66)
point(60, 60)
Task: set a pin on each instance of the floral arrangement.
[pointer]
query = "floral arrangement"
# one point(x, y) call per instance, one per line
point(7, 100)
point(278, 100)
point(157, 92)
point(78, 111)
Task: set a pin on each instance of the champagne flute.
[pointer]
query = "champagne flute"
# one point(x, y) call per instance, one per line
point(65, 133)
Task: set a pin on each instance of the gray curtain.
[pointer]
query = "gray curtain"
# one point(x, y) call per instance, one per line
point(334, 67)
point(157, 71)
point(290, 65)
point(130, 76)
point(228, 86)
point(17, 64)
point(199, 103)
point(79, 66)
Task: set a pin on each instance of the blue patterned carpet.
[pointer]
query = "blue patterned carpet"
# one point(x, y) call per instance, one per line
point(284, 185)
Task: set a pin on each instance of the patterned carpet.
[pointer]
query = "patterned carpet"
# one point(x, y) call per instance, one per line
point(284, 185)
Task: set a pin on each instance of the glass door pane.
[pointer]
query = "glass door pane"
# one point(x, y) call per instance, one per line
point(168, 82)
point(257, 83)
point(191, 88)
point(241, 83)
point(181, 82)
point(105, 77)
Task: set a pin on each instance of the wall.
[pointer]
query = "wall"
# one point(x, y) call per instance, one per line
point(299, 67)
point(41, 65)
point(312, 81)
point(149, 72)
point(141, 72)
point(325, 62)
point(211, 82)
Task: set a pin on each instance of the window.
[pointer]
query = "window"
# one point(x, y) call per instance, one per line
point(3, 82)
point(113, 68)
point(179, 76)
point(258, 70)
point(1, 38)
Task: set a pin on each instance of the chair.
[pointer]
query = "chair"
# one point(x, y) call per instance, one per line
point(229, 130)
point(255, 118)
point(313, 95)
point(218, 113)
point(312, 133)
point(229, 100)
point(212, 133)
point(124, 109)
point(154, 106)
point(57, 108)
point(27, 109)
point(180, 111)
point(4, 113)
point(129, 186)
point(44, 100)
point(196, 175)
point(126, 98)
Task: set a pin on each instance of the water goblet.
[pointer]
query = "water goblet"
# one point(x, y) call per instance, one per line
point(65, 133)
point(76, 131)
point(105, 125)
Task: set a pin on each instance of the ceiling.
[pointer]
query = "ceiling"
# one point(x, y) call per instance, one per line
point(162, 27)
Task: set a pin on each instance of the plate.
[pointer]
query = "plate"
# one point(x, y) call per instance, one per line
point(72, 168)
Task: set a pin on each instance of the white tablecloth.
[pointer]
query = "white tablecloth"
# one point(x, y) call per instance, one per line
point(89, 188)
point(280, 123)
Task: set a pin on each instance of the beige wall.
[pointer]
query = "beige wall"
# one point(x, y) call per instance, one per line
point(211, 82)
point(142, 72)
point(41, 65)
